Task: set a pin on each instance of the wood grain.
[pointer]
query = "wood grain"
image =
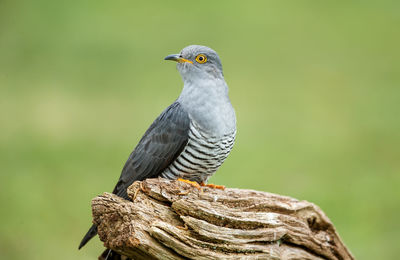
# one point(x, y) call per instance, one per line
point(174, 220)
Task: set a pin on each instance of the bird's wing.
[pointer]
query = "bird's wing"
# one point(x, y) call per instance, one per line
point(159, 147)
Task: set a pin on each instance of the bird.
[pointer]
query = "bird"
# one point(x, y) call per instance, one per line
point(193, 136)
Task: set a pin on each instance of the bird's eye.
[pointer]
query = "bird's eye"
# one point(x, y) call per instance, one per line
point(201, 58)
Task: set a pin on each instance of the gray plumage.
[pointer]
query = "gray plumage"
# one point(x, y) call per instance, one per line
point(201, 157)
point(165, 139)
point(193, 136)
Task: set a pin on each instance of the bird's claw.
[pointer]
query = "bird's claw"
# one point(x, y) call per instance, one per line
point(213, 186)
point(193, 183)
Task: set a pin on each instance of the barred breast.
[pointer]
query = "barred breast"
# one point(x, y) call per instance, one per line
point(202, 156)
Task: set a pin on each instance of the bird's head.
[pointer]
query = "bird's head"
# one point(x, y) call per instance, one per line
point(197, 61)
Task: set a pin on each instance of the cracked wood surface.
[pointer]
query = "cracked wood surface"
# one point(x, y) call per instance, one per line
point(174, 220)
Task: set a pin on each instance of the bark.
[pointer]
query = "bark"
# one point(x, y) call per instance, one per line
point(174, 220)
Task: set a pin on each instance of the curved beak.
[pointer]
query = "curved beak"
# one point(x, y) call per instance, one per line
point(177, 58)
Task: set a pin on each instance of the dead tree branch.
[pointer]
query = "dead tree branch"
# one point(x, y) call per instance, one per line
point(174, 220)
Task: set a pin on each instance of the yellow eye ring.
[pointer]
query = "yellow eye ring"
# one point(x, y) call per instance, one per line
point(201, 58)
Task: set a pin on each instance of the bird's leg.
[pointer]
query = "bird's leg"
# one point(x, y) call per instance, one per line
point(193, 183)
point(213, 186)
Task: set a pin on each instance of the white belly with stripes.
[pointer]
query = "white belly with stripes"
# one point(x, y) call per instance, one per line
point(202, 156)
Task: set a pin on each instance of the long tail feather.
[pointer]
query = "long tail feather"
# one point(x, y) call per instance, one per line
point(91, 233)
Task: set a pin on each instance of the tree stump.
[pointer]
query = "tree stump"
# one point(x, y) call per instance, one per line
point(174, 220)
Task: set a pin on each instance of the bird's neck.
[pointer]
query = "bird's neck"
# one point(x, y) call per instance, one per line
point(207, 102)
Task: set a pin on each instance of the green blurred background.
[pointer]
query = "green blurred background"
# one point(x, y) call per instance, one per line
point(315, 85)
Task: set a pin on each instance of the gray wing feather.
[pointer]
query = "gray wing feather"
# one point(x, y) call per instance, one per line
point(159, 147)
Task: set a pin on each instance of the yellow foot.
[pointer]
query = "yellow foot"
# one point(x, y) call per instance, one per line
point(193, 183)
point(213, 186)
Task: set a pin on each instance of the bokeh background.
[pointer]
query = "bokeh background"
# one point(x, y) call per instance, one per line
point(315, 84)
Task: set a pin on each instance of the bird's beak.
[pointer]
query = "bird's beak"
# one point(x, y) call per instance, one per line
point(177, 58)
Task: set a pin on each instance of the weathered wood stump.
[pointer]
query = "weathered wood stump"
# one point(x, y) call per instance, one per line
point(174, 220)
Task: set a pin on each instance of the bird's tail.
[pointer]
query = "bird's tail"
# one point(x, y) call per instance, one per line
point(91, 233)
point(109, 254)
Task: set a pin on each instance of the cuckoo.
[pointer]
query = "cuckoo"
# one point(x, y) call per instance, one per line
point(193, 136)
